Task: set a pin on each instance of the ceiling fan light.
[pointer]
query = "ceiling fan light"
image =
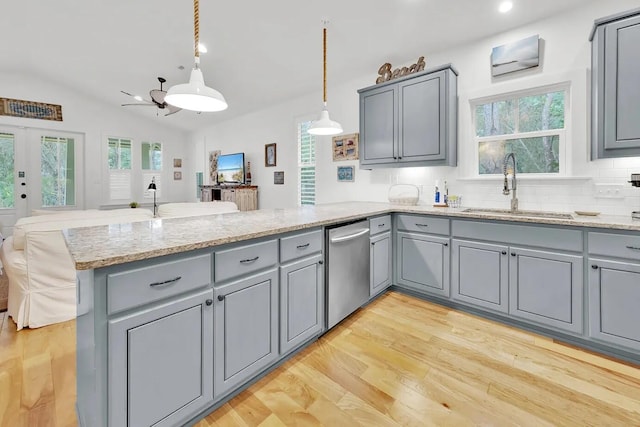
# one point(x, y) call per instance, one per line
point(324, 125)
point(195, 95)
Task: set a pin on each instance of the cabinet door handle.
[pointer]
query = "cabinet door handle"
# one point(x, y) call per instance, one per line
point(504, 252)
point(595, 267)
point(247, 261)
point(635, 248)
point(320, 262)
point(165, 283)
point(220, 297)
point(445, 244)
point(513, 254)
point(305, 246)
point(209, 302)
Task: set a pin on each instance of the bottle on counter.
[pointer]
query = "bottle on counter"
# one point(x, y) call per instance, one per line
point(437, 192)
point(248, 177)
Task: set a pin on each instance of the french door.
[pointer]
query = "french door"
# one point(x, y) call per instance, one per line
point(39, 169)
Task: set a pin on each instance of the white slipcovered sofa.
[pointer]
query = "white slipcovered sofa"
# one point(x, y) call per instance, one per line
point(42, 276)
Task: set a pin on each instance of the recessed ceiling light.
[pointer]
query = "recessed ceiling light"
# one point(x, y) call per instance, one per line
point(137, 98)
point(505, 6)
point(202, 48)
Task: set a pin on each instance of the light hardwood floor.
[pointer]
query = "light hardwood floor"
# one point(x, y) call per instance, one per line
point(399, 362)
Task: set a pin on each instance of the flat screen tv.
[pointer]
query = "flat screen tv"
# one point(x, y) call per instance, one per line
point(231, 168)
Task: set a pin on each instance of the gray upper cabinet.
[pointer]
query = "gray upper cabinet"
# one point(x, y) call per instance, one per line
point(245, 329)
point(301, 302)
point(410, 121)
point(161, 363)
point(615, 91)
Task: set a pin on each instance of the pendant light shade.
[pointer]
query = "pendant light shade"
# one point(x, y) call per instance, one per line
point(324, 125)
point(195, 95)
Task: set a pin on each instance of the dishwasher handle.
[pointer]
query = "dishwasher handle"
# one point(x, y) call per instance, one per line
point(349, 236)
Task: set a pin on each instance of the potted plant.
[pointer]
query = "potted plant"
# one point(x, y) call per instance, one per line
point(133, 205)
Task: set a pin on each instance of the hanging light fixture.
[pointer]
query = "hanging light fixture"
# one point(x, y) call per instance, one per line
point(324, 125)
point(195, 95)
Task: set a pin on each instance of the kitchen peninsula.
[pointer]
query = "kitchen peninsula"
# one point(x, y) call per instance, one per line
point(177, 315)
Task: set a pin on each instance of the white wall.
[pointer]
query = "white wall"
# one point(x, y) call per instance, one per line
point(566, 57)
point(97, 121)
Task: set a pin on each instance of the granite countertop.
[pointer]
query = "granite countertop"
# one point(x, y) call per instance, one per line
point(101, 246)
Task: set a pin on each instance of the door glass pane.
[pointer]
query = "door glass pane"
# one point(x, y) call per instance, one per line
point(58, 171)
point(151, 156)
point(7, 159)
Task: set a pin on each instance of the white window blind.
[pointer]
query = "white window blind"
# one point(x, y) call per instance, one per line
point(306, 165)
point(119, 168)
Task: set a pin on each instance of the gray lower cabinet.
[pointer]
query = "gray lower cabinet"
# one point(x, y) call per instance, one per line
point(161, 363)
point(614, 293)
point(480, 274)
point(411, 121)
point(301, 302)
point(423, 263)
point(380, 267)
point(615, 89)
point(546, 287)
point(245, 329)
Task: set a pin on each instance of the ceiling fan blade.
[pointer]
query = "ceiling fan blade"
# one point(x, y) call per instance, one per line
point(139, 104)
point(127, 93)
point(172, 109)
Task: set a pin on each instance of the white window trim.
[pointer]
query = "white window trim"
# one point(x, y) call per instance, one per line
point(563, 154)
point(577, 157)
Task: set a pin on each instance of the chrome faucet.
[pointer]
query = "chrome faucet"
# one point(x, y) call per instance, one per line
point(514, 182)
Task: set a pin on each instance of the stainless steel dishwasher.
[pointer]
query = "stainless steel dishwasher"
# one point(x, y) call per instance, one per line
point(348, 270)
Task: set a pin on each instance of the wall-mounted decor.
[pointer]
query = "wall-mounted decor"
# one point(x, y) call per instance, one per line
point(213, 166)
point(30, 109)
point(515, 56)
point(177, 176)
point(346, 173)
point(386, 74)
point(345, 147)
point(177, 163)
point(278, 177)
point(270, 154)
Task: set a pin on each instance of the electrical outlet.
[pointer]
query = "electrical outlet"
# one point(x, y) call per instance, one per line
point(609, 191)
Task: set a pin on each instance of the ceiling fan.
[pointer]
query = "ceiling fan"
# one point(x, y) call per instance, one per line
point(157, 99)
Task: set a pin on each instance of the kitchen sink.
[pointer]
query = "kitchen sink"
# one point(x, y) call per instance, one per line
point(533, 214)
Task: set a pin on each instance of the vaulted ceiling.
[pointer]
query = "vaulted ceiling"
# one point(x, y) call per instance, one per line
point(260, 52)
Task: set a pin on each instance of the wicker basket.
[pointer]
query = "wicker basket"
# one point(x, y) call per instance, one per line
point(404, 194)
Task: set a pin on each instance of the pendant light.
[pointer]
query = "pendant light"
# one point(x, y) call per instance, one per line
point(324, 125)
point(195, 95)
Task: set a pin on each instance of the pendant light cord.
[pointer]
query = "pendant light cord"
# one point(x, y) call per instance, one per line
point(196, 26)
point(324, 65)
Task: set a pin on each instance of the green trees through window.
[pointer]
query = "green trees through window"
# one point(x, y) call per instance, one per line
point(529, 126)
point(7, 170)
point(57, 167)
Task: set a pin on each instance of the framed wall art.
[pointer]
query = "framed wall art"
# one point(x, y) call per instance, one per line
point(177, 176)
point(270, 155)
point(177, 163)
point(345, 147)
point(515, 56)
point(30, 109)
point(346, 173)
point(278, 177)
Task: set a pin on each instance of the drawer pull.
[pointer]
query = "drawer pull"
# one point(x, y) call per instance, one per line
point(247, 261)
point(305, 246)
point(421, 225)
point(635, 248)
point(165, 283)
point(381, 225)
